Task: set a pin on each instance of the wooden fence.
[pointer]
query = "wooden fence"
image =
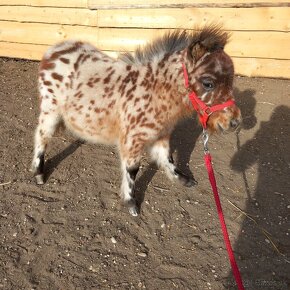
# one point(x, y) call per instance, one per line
point(260, 41)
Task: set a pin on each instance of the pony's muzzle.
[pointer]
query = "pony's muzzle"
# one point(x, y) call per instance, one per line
point(234, 123)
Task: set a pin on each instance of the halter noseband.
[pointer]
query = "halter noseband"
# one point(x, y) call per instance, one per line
point(199, 106)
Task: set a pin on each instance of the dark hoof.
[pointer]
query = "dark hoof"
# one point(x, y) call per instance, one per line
point(185, 180)
point(188, 181)
point(132, 207)
point(39, 179)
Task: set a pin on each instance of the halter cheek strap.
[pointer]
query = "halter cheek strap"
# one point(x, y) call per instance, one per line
point(199, 106)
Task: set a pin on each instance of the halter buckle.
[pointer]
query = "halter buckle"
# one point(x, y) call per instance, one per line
point(205, 138)
point(208, 111)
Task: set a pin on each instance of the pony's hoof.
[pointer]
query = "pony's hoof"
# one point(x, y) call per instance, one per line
point(39, 179)
point(133, 211)
point(189, 182)
point(132, 207)
point(184, 179)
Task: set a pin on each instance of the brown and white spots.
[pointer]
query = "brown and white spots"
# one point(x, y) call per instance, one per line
point(77, 63)
point(108, 77)
point(79, 107)
point(45, 64)
point(79, 94)
point(64, 60)
point(133, 102)
point(47, 83)
point(87, 57)
point(163, 108)
point(79, 86)
point(101, 111)
point(57, 76)
point(90, 84)
point(111, 105)
point(137, 100)
point(167, 86)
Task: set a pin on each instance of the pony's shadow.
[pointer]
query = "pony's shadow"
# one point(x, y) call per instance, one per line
point(247, 103)
point(52, 163)
point(259, 259)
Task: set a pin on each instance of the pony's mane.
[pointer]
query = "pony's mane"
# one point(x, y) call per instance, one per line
point(210, 37)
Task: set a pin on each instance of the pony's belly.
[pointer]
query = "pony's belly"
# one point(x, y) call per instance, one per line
point(94, 130)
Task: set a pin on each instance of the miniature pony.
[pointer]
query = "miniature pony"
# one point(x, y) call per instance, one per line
point(136, 100)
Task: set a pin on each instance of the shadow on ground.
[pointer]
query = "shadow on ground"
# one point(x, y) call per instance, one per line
point(263, 245)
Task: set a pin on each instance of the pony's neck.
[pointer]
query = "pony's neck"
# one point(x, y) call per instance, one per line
point(169, 86)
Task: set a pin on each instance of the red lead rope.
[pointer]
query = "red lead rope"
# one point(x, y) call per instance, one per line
point(211, 176)
point(204, 112)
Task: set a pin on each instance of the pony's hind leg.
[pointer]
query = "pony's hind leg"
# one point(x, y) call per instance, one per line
point(48, 122)
point(130, 169)
point(160, 153)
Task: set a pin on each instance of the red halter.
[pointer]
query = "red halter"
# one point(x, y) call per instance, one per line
point(200, 107)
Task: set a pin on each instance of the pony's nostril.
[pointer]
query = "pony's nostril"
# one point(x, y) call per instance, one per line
point(234, 123)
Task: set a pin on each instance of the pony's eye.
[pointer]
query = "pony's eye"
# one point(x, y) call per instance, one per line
point(208, 85)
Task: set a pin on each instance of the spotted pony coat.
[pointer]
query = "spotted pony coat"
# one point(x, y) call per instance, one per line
point(133, 101)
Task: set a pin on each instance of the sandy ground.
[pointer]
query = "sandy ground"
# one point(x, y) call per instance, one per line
point(72, 233)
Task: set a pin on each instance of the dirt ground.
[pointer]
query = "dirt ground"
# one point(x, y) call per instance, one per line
point(71, 233)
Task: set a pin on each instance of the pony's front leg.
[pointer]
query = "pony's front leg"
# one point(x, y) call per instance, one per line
point(160, 153)
point(130, 163)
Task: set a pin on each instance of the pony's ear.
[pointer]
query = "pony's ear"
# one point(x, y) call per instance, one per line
point(208, 39)
point(196, 51)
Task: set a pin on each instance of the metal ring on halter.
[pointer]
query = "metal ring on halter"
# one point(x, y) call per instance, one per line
point(205, 138)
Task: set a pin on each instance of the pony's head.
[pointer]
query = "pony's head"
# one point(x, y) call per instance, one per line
point(211, 73)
